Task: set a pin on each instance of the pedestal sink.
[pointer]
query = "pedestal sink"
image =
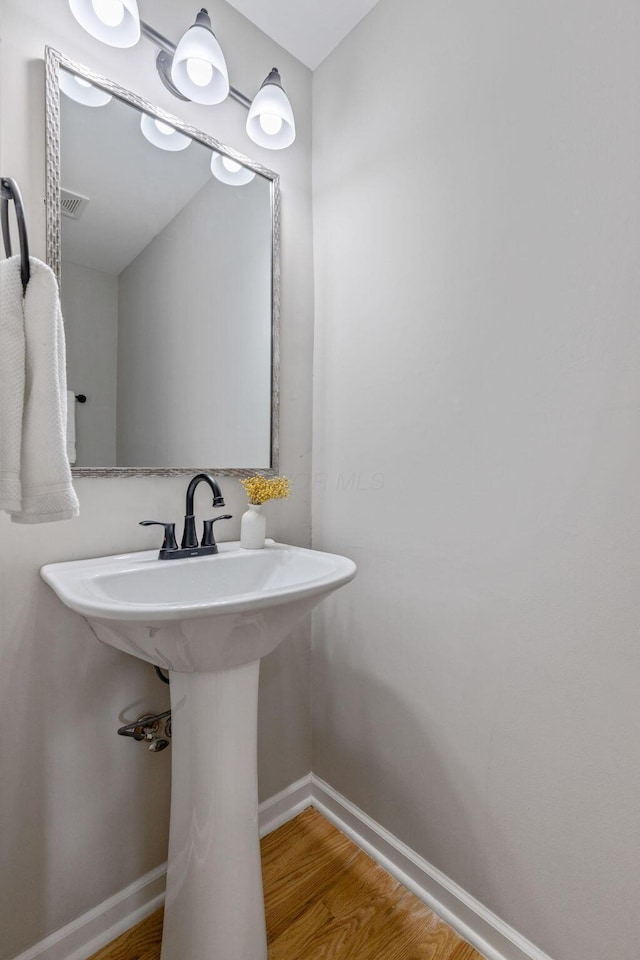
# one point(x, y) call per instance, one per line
point(207, 620)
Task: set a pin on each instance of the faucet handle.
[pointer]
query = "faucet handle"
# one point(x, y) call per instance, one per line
point(170, 542)
point(208, 539)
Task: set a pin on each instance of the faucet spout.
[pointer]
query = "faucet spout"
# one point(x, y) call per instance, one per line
point(218, 499)
point(189, 537)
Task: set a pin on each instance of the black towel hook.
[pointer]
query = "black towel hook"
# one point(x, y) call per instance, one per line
point(9, 190)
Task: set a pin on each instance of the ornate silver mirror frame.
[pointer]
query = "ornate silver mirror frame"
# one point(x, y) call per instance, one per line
point(54, 61)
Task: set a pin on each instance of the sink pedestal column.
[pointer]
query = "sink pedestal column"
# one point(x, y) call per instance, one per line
point(214, 904)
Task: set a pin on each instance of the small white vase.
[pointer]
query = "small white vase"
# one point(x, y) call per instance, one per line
point(253, 528)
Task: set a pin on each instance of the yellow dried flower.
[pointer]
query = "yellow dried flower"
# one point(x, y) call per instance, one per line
point(260, 489)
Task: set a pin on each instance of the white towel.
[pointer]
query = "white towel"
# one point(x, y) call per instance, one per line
point(12, 365)
point(45, 476)
point(71, 426)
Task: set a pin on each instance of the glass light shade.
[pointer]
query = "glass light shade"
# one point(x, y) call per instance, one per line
point(270, 122)
point(162, 134)
point(199, 69)
point(230, 171)
point(116, 22)
point(80, 90)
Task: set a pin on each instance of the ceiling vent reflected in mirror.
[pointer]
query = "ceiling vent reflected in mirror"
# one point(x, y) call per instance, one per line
point(72, 204)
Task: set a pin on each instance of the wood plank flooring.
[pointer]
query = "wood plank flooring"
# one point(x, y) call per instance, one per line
point(325, 900)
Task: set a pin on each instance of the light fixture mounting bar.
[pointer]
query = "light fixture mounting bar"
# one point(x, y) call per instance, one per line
point(161, 41)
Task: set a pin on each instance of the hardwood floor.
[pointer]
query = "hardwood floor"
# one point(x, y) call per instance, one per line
point(140, 943)
point(325, 900)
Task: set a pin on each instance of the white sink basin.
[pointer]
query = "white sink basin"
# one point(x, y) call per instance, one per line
point(199, 614)
point(209, 621)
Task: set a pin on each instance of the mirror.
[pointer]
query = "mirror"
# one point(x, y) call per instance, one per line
point(165, 243)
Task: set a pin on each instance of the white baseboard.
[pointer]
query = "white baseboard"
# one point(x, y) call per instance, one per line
point(490, 935)
point(493, 938)
point(93, 930)
point(284, 805)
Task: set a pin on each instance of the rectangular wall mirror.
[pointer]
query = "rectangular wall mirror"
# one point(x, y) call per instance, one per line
point(165, 243)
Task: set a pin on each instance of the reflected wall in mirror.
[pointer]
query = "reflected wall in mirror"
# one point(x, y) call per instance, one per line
point(166, 246)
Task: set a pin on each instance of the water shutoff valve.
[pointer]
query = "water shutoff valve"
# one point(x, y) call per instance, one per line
point(152, 729)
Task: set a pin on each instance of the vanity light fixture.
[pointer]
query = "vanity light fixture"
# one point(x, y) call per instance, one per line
point(199, 69)
point(162, 134)
point(80, 90)
point(270, 122)
point(194, 69)
point(116, 22)
point(230, 171)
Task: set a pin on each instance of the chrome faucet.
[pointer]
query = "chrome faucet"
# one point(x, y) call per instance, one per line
point(189, 546)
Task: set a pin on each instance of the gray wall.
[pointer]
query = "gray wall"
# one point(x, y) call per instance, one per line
point(74, 831)
point(477, 225)
point(195, 322)
point(89, 300)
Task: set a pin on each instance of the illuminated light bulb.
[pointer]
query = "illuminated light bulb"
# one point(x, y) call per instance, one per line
point(110, 12)
point(164, 128)
point(115, 22)
point(162, 134)
point(271, 123)
point(230, 171)
point(82, 91)
point(198, 68)
point(200, 71)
